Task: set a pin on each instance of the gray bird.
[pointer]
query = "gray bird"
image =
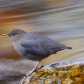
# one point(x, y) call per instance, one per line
point(34, 46)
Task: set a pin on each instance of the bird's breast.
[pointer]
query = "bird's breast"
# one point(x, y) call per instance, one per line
point(20, 49)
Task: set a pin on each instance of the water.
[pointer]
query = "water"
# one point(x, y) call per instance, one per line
point(62, 21)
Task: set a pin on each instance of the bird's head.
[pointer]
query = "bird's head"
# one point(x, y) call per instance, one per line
point(15, 34)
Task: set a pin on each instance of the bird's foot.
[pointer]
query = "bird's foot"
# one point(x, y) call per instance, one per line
point(29, 73)
point(33, 70)
point(39, 68)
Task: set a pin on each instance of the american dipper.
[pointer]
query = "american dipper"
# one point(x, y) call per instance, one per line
point(34, 46)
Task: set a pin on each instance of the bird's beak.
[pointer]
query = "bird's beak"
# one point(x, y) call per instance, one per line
point(4, 34)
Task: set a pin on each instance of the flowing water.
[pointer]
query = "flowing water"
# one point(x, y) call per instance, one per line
point(60, 20)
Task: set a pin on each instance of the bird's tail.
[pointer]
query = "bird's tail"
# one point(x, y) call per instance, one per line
point(68, 47)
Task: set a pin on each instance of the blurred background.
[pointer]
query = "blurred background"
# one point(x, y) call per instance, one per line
point(60, 20)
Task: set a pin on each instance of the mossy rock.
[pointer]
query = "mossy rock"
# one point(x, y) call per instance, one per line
point(69, 72)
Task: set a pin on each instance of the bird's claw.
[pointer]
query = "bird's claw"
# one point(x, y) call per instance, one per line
point(34, 70)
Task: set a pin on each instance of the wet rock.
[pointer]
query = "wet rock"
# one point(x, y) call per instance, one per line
point(69, 72)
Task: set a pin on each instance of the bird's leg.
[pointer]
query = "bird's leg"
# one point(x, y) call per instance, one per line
point(29, 73)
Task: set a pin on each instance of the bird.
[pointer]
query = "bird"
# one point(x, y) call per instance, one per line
point(34, 46)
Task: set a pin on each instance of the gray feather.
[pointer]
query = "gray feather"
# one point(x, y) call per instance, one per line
point(35, 48)
point(37, 44)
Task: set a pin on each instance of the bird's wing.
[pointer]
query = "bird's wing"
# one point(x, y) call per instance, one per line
point(35, 47)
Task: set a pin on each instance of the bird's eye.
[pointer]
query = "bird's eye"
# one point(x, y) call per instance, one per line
point(13, 34)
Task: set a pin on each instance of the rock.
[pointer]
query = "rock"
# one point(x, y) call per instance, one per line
point(69, 72)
